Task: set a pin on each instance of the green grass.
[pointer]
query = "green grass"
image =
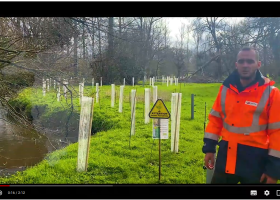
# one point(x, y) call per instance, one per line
point(111, 161)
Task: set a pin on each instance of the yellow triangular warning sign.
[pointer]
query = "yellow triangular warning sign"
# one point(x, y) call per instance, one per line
point(159, 111)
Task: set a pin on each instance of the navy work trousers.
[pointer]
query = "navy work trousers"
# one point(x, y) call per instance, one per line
point(224, 178)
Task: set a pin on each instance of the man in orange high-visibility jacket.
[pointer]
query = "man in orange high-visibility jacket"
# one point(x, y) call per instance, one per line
point(245, 123)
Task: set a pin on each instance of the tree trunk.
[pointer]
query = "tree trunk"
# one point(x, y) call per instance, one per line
point(142, 52)
point(120, 26)
point(99, 38)
point(204, 66)
point(83, 40)
point(264, 60)
point(76, 52)
point(100, 49)
point(92, 40)
point(110, 37)
point(219, 68)
point(110, 49)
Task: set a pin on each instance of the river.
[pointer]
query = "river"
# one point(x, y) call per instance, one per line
point(20, 147)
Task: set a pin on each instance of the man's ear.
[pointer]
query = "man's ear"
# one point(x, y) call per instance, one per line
point(236, 65)
point(259, 64)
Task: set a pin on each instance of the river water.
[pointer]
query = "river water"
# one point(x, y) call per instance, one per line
point(19, 146)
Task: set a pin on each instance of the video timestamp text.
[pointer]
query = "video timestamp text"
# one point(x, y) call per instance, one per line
point(16, 192)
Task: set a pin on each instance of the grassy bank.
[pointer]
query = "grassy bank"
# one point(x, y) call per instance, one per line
point(111, 161)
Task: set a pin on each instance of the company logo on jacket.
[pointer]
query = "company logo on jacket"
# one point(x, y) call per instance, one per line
point(251, 103)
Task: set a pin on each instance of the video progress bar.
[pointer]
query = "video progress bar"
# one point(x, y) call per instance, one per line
point(56, 185)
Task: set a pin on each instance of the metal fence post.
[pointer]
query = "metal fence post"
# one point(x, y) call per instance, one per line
point(192, 106)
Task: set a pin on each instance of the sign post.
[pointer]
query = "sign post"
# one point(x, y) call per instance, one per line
point(159, 151)
point(158, 112)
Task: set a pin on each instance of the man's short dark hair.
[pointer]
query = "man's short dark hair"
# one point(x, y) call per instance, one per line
point(251, 49)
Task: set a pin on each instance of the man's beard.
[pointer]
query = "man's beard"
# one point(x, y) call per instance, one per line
point(247, 77)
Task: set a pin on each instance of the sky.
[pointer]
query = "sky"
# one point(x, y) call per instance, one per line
point(174, 24)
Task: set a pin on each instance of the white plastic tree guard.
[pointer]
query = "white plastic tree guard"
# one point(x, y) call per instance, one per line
point(167, 80)
point(154, 94)
point(100, 81)
point(44, 87)
point(173, 96)
point(97, 87)
point(97, 92)
point(147, 105)
point(64, 88)
point(132, 81)
point(58, 94)
point(92, 82)
point(175, 120)
point(84, 133)
point(133, 111)
point(121, 99)
point(48, 84)
point(113, 91)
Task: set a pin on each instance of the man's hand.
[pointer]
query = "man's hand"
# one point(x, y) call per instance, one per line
point(209, 157)
point(269, 180)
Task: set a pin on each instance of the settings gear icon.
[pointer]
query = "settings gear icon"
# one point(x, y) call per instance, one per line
point(266, 193)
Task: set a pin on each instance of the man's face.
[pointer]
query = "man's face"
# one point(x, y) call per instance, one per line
point(247, 64)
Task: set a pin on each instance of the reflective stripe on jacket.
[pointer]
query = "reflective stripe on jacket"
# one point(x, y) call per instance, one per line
point(248, 124)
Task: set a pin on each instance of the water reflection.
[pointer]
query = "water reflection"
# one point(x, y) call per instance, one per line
point(19, 146)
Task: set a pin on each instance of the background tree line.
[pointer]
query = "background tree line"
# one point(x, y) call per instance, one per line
point(124, 47)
